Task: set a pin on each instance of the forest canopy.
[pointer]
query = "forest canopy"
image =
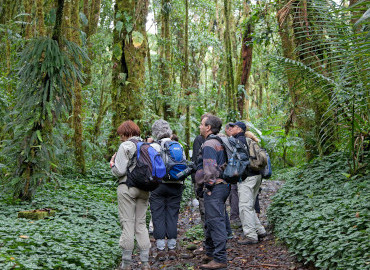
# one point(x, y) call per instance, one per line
point(295, 71)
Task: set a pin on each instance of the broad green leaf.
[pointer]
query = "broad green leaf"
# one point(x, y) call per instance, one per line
point(137, 39)
point(119, 26)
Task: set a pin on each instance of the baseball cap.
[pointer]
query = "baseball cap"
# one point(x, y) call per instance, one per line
point(239, 124)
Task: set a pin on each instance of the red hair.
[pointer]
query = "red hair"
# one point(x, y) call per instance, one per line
point(128, 129)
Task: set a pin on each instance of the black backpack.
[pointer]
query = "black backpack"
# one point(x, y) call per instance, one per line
point(237, 156)
point(149, 169)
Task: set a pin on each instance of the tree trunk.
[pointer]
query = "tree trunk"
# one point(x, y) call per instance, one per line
point(40, 18)
point(186, 80)
point(128, 66)
point(230, 88)
point(86, 8)
point(77, 102)
point(67, 24)
point(166, 52)
point(245, 67)
point(28, 4)
point(94, 17)
point(91, 29)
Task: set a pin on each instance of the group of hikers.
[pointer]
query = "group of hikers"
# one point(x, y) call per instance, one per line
point(210, 167)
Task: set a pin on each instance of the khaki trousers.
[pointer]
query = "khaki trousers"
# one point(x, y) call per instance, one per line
point(132, 207)
point(247, 191)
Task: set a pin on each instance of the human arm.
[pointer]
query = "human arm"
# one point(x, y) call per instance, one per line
point(123, 158)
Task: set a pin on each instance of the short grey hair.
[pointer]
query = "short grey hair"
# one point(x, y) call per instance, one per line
point(161, 129)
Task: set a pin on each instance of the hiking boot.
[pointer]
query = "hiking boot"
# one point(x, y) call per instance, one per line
point(161, 255)
point(206, 259)
point(230, 236)
point(172, 255)
point(262, 235)
point(247, 241)
point(125, 267)
point(213, 265)
point(145, 266)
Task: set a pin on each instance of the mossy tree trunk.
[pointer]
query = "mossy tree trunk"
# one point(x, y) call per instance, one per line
point(185, 83)
point(91, 28)
point(129, 52)
point(28, 5)
point(230, 87)
point(40, 26)
point(77, 101)
point(245, 66)
point(166, 58)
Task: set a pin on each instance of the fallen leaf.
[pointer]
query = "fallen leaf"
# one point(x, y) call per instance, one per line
point(24, 236)
point(357, 214)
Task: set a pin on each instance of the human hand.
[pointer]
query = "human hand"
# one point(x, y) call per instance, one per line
point(111, 163)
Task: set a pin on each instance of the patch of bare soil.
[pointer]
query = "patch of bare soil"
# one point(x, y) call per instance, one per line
point(266, 254)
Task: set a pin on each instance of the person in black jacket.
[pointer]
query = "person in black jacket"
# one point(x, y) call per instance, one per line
point(247, 191)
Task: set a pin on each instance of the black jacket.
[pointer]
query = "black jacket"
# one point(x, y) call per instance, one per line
point(241, 137)
point(198, 141)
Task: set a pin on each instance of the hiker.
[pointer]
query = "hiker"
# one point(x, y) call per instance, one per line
point(233, 197)
point(198, 141)
point(132, 202)
point(257, 207)
point(247, 191)
point(165, 201)
point(215, 193)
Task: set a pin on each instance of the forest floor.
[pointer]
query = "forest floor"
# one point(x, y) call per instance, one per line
point(266, 254)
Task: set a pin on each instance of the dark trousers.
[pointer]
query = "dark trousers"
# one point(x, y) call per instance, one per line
point(165, 205)
point(201, 210)
point(234, 202)
point(215, 217)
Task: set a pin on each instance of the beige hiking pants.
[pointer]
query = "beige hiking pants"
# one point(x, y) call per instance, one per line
point(132, 206)
point(247, 191)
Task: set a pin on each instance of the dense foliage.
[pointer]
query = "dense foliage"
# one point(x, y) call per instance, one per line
point(323, 214)
point(83, 235)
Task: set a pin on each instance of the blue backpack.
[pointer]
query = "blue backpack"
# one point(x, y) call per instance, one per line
point(177, 168)
point(149, 169)
point(267, 171)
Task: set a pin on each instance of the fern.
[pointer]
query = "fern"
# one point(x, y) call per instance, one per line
point(332, 66)
point(46, 75)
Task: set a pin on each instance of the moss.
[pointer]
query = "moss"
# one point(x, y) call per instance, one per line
point(36, 214)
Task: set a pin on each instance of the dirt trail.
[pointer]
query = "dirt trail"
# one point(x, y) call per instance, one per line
point(267, 254)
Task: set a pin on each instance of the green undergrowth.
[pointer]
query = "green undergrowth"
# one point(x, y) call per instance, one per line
point(322, 213)
point(83, 235)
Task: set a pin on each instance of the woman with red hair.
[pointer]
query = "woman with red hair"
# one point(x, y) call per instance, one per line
point(132, 202)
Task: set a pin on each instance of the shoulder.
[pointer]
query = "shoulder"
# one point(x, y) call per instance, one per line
point(212, 143)
point(128, 146)
point(156, 146)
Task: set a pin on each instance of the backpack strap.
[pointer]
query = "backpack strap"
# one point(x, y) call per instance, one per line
point(135, 154)
point(212, 136)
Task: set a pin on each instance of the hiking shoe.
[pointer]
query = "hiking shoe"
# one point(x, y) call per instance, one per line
point(247, 241)
point(172, 255)
point(145, 266)
point(161, 255)
point(206, 259)
point(213, 265)
point(262, 235)
point(125, 267)
point(230, 236)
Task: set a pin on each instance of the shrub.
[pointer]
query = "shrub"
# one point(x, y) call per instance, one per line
point(322, 213)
